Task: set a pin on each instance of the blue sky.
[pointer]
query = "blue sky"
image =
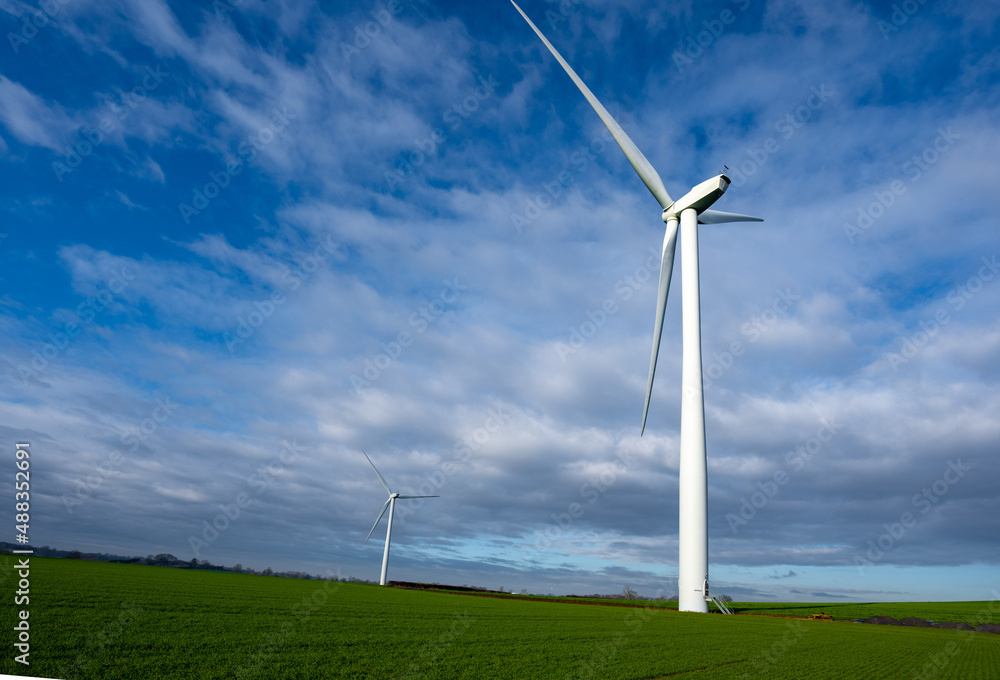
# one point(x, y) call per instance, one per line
point(243, 242)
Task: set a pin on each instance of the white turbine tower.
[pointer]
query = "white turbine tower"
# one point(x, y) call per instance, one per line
point(391, 504)
point(689, 211)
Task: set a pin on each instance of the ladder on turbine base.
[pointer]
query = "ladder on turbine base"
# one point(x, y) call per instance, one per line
point(714, 598)
point(720, 604)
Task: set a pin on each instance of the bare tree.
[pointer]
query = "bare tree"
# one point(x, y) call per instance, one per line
point(629, 593)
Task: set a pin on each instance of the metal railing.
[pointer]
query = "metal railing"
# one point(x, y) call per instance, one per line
point(721, 604)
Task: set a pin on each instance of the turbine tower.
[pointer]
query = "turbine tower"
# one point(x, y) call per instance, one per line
point(391, 504)
point(688, 212)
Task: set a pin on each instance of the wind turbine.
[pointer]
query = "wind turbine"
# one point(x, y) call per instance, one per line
point(391, 504)
point(689, 211)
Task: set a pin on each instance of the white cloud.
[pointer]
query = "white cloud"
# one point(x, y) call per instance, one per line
point(30, 119)
point(357, 265)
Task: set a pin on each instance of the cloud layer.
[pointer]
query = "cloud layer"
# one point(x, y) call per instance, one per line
point(245, 243)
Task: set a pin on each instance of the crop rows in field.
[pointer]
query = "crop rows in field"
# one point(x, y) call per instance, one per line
point(973, 612)
point(99, 620)
point(961, 612)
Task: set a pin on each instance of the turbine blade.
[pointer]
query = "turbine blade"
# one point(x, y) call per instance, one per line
point(643, 167)
point(666, 268)
point(719, 217)
point(378, 520)
point(418, 497)
point(385, 485)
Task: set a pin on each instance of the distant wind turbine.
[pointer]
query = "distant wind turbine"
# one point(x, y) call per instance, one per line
point(690, 210)
point(391, 504)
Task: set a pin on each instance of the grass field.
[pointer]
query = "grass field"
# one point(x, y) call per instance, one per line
point(99, 620)
point(974, 612)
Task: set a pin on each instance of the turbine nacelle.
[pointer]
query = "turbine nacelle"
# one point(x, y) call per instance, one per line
point(699, 198)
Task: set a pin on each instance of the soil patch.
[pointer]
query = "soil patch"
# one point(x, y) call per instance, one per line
point(884, 621)
point(954, 626)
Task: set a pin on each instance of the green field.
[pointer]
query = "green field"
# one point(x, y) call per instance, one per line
point(99, 620)
point(974, 612)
